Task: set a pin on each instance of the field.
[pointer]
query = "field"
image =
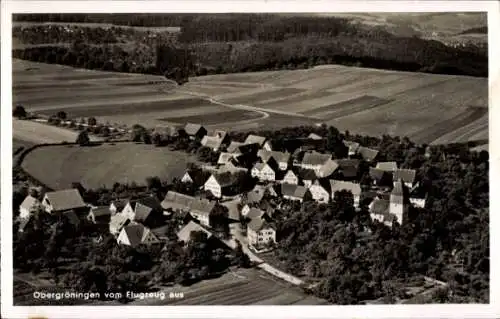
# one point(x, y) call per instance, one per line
point(30, 132)
point(427, 108)
point(59, 166)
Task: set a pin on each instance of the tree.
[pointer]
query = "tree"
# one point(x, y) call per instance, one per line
point(19, 112)
point(83, 138)
point(92, 121)
point(61, 115)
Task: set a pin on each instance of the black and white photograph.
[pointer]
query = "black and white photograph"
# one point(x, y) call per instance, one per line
point(247, 158)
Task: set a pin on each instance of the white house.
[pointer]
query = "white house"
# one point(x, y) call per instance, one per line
point(319, 192)
point(136, 234)
point(321, 164)
point(406, 175)
point(28, 206)
point(217, 183)
point(290, 178)
point(263, 172)
point(186, 178)
point(260, 232)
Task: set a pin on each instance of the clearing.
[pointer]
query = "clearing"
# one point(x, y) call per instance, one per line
point(103, 165)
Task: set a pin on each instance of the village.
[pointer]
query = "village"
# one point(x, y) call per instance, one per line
point(247, 177)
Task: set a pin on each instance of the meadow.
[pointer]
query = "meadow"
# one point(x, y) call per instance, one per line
point(427, 108)
point(103, 165)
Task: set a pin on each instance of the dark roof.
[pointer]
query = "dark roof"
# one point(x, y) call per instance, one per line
point(377, 174)
point(192, 129)
point(399, 193)
point(367, 153)
point(307, 174)
point(226, 179)
point(65, 199)
point(387, 166)
point(258, 224)
point(336, 186)
point(255, 139)
point(72, 217)
point(136, 233)
point(161, 231)
point(279, 157)
point(185, 233)
point(100, 211)
point(348, 167)
point(293, 190)
point(315, 158)
point(407, 175)
point(145, 206)
point(379, 206)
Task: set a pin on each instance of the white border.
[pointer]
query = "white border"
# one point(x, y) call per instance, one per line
point(396, 311)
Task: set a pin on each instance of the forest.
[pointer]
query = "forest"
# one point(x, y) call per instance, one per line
point(245, 43)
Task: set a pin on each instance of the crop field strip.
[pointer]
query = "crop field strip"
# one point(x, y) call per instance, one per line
point(348, 107)
point(253, 98)
point(228, 116)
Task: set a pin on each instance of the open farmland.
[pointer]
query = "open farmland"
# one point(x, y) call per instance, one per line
point(32, 132)
point(103, 165)
point(427, 108)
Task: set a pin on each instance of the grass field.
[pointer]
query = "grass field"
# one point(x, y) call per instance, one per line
point(424, 107)
point(59, 166)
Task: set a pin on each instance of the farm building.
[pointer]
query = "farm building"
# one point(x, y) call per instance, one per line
point(406, 175)
point(258, 193)
point(99, 215)
point(184, 234)
point(260, 232)
point(212, 142)
point(367, 154)
point(117, 222)
point(147, 211)
point(281, 158)
point(355, 189)
point(199, 208)
point(380, 177)
point(136, 234)
point(255, 139)
point(387, 166)
point(294, 192)
point(220, 184)
point(322, 164)
point(29, 205)
point(225, 158)
point(348, 169)
point(353, 147)
point(64, 200)
point(320, 191)
point(195, 131)
point(263, 172)
point(117, 206)
point(290, 178)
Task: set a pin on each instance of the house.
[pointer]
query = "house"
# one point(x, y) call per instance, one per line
point(348, 169)
point(399, 201)
point(195, 131)
point(29, 205)
point(222, 135)
point(199, 208)
point(269, 146)
point(251, 212)
point(234, 148)
point(233, 211)
point(380, 177)
point(367, 154)
point(281, 158)
point(212, 142)
point(184, 234)
point(353, 147)
point(387, 166)
point(294, 192)
point(314, 136)
point(291, 178)
point(379, 210)
point(406, 175)
point(320, 191)
point(117, 206)
point(264, 171)
point(256, 195)
point(255, 139)
point(260, 232)
point(147, 211)
point(322, 164)
point(307, 177)
point(136, 234)
point(219, 184)
point(64, 200)
point(225, 158)
point(354, 188)
point(117, 222)
point(418, 196)
point(99, 215)
point(187, 178)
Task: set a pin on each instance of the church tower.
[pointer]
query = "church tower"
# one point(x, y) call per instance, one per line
point(399, 201)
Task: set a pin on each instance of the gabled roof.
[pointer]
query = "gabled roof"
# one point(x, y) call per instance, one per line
point(387, 166)
point(65, 200)
point(211, 142)
point(100, 211)
point(221, 134)
point(202, 206)
point(232, 209)
point(225, 158)
point(290, 172)
point(145, 206)
point(29, 203)
point(291, 190)
point(279, 157)
point(328, 169)
point(367, 153)
point(315, 158)
point(255, 213)
point(136, 233)
point(255, 139)
point(234, 147)
point(336, 186)
point(227, 178)
point(379, 206)
point(117, 221)
point(314, 136)
point(258, 224)
point(192, 129)
point(348, 166)
point(185, 233)
point(258, 166)
point(178, 201)
point(323, 183)
point(353, 146)
point(407, 175)
point(256, 194)
point(307, 174)
point(377, 174)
